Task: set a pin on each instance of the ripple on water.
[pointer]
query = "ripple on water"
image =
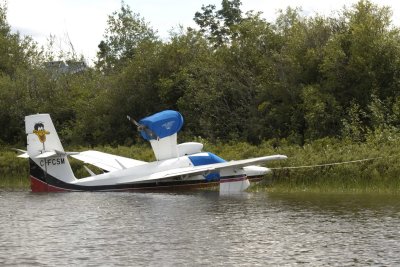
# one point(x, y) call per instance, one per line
point(201, 229)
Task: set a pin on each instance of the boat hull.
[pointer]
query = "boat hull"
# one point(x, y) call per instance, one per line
point(44, 182)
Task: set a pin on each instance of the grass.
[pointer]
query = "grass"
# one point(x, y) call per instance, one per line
point(380, 175)
point(13, 171)
point(17, 183)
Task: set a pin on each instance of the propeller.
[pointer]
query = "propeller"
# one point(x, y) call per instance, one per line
point(141, 127)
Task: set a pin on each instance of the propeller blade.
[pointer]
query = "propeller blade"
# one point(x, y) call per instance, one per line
point(141, 127)
point(150, 133)
point(133, 121)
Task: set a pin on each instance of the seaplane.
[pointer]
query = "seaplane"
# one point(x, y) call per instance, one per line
point(177, 166)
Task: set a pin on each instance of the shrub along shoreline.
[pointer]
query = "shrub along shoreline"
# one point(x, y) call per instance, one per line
point(381, 174)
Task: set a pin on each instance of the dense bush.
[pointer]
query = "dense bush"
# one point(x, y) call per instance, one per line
point(237, 78)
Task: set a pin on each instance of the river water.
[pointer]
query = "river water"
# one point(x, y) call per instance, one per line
point(198, 229)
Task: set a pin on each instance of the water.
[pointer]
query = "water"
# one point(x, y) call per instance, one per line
point(198, 229)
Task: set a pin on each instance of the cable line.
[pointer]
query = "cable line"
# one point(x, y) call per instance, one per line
point(324, 165)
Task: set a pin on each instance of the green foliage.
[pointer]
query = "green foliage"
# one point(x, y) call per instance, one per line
point(319, 89)
point(320, 113)
point(361, 57)
point(353, 126)
point(379, 174)
point(125, 31)
point(237, 78)
point(14, 173)
point(219, 26)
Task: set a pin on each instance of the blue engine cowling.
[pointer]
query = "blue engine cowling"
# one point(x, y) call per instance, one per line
point(162, 124)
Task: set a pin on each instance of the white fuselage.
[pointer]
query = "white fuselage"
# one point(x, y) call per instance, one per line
point(129, 175)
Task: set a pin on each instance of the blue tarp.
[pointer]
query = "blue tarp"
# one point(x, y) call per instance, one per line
point(162, 124)
point(207, 158)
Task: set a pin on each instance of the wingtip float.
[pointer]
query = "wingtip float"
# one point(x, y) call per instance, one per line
point(178, 166)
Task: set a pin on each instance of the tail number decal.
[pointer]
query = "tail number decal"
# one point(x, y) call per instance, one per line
point(53, 161)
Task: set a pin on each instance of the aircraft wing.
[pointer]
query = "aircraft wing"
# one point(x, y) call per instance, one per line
point(204, 169)
point(214, 167)
point(105, 161)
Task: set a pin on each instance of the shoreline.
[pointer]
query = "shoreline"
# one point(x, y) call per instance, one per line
point(379, 175)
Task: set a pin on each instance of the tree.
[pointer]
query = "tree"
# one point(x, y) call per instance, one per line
point(19, 61)
point(220, 25)
point(125, 31)
point(15, 52)
point(174, 67)
point(320, 113)
point(362, 57)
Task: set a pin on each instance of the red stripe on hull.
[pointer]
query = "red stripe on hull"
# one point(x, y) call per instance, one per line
point(39, 186)
point(230, 180)
point(169, 188)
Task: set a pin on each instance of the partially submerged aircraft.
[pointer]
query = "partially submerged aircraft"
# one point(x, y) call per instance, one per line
point(177, 166)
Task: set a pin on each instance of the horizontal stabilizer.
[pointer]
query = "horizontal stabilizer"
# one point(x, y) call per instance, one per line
point(52, 153)
point(23, 153)
point(46, 154)
point(62, 153)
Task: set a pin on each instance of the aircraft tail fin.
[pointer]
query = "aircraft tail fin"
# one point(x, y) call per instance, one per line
point(48, 162)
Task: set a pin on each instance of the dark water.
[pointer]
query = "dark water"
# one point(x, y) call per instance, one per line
point(198, 229)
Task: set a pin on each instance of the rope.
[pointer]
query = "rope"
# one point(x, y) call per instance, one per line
point(324, 165)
